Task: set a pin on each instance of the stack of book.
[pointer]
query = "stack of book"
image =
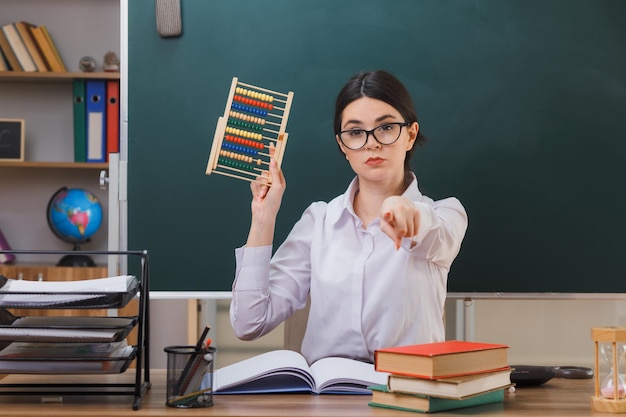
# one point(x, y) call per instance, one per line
point(441, 376)
point(25, 47)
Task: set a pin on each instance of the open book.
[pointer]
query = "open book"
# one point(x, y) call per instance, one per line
point(288, 371)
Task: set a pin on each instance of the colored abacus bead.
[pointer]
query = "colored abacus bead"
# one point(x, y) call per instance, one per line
point(250, 127)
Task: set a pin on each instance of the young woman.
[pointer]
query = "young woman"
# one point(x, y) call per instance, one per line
point(374, 260)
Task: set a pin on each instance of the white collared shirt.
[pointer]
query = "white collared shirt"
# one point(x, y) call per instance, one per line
point(365, 294)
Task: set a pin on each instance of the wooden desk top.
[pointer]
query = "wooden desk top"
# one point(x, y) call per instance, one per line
point(558, 397)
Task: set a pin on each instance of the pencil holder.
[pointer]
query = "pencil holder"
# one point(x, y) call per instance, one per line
point(189, 376)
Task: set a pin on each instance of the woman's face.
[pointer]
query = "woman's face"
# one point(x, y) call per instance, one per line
point(376, 162)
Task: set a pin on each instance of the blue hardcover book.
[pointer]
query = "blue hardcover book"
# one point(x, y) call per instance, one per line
point(95, 92)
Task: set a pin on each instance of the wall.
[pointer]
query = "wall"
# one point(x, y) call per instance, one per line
point(546, 332)
point(540, 332)
point(169, 325)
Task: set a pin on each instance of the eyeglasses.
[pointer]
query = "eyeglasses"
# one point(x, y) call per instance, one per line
point(385, 134)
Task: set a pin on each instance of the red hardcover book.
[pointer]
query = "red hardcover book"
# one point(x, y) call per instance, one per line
point(442, 359)
point(113, 117)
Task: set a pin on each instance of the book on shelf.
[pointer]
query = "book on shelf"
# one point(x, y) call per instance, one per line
point(4, 65)
point(5, 258)
point(11, 59)
point(456, 387)
point(55, 50)
point(48, 49)
point(382, 397)
point(288, 371)
point(24, 29)
point(19, 48)
point(442, 359)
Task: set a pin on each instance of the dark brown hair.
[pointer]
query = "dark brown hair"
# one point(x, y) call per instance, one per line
point(380, 85)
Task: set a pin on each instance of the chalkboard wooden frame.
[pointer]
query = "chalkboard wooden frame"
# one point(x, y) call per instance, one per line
point(522, 102)
point(12, 139)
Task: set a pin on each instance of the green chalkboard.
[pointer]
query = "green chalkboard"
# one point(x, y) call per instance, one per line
point(523, 103)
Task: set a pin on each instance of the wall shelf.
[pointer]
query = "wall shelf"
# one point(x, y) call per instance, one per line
point(45, 101)
point(58, 165)
point(10, 76)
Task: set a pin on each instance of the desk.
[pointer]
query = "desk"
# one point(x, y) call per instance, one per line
point(558, 397)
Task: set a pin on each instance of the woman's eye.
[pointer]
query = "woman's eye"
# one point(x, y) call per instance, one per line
point(355, 132)
point(385, 127)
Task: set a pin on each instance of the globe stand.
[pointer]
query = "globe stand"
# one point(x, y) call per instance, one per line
point(76, 259)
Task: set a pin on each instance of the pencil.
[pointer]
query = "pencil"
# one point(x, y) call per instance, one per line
point(195, 357)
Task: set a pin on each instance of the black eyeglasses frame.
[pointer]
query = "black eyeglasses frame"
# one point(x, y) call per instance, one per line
point(371, 132)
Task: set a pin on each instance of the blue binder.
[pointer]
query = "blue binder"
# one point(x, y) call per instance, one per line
point(96, 120)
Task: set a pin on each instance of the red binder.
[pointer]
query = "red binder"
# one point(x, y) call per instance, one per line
point(113, 117)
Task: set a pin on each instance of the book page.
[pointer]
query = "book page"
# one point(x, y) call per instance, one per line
point(290, 368)
point(346, 375)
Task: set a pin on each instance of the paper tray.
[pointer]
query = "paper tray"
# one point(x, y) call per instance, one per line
point(59, 329)
point(58, 366)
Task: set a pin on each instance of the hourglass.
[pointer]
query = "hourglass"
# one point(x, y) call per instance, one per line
point(610, 369)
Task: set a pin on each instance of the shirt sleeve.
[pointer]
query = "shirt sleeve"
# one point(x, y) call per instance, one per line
point(268, 289)
point(442, 228)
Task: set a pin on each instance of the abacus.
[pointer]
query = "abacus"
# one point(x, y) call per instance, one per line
point(251, 130)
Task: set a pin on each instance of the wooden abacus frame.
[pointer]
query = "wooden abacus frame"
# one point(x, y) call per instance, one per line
point(254, 122)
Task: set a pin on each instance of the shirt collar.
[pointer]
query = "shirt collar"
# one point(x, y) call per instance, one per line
point(344, 203)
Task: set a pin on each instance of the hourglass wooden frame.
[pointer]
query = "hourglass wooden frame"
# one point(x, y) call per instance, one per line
point(611, 335)
point(254, 122)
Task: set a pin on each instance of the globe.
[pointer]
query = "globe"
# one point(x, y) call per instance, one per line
point(74, 215)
